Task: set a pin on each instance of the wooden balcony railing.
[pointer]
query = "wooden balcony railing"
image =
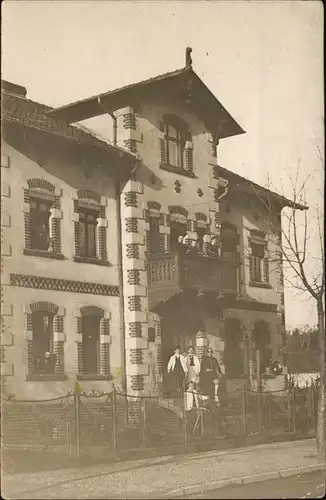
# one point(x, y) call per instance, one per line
point(170, 272)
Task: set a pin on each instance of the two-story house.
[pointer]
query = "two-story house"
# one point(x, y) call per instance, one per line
point(200, 261)
point(61, 308)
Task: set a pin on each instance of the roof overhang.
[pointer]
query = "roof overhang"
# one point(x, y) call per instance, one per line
point(239, 185)
point(182, 85)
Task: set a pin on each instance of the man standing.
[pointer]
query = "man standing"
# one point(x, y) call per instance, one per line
point(210, 370)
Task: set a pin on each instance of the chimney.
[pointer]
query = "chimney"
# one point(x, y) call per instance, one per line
point(13, 88)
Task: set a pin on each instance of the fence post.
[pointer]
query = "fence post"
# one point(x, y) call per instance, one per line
point(259, 391)
point(293, 408)
point(114, 424)
point(77, 417)
point(244, 412)
point(143, 422)
point(185, 431)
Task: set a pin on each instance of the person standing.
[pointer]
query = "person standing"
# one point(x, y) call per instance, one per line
point(193, 366)
point(177, 370)
point(210, 371)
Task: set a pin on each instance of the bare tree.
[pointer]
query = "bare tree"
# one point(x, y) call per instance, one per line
point(303, 263)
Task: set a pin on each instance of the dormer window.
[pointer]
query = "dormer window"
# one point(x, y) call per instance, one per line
point(176, 145)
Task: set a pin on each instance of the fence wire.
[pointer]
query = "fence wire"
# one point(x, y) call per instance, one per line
point(110, 425)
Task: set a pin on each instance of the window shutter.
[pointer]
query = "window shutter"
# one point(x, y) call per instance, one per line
point(266, 269)
point(163, 159)
point(188, 157)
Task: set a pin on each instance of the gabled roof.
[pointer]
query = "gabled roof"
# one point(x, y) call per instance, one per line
point(183, 83)
point(17, 109)
point(241, 185)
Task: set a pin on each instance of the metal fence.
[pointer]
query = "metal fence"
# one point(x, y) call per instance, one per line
point(96, 426)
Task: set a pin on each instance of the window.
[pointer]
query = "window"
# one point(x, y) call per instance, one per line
point(256, 262)
point(154, 235)
point(87, 227)
point(44, 359)
point(177, 229)
point(91, 344)
point(90, 228)
point(40, 212)
point(42, 219)
point(176, 145)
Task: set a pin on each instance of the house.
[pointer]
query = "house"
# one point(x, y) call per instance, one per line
point(61, 303)
point(199, 244)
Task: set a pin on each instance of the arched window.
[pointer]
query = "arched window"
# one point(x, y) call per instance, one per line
point(90, 227)
point(42, 216)
point(233, 351)
point(43, 342)
point(91, 343)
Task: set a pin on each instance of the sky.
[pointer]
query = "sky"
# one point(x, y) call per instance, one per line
point(262, 60)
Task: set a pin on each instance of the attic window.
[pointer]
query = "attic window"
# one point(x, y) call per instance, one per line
point(176, 145)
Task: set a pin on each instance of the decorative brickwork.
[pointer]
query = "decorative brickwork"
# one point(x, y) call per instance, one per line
point(132, 251)
point(136, 356)
point(91, 310)
point(44, 306)
point(201, 216)
point(105, 326)
point(133, 276)
point(41, 184)
point(177, 209)
point(62, 285)
point(105, 359)
point(188, 159)
point(84, 194)
point(137, 382)
point(131, 199)
point(134, 303)
point(135, 329)
point(131, 225)
point(154, 205)
point(146, 215)
point(129, 121)
point(131, 145)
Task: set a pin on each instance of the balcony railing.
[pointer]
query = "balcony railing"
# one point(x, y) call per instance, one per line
point(170, 272)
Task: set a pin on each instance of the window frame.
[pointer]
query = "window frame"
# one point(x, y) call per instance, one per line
point(86, 355)
point(154, 239)
point(39, 191)
point(85, 212)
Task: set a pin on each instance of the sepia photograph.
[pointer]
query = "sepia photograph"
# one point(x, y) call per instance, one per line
point(162, 249)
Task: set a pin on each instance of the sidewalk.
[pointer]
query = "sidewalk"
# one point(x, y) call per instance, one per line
point(166, 476)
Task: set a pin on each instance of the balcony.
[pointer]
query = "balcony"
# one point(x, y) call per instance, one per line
point(172, 272)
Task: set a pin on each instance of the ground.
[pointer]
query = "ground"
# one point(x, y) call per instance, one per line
point(301, 486)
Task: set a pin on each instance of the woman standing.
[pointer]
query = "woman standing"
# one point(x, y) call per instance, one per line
point(193, 366)
point(177, 370)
